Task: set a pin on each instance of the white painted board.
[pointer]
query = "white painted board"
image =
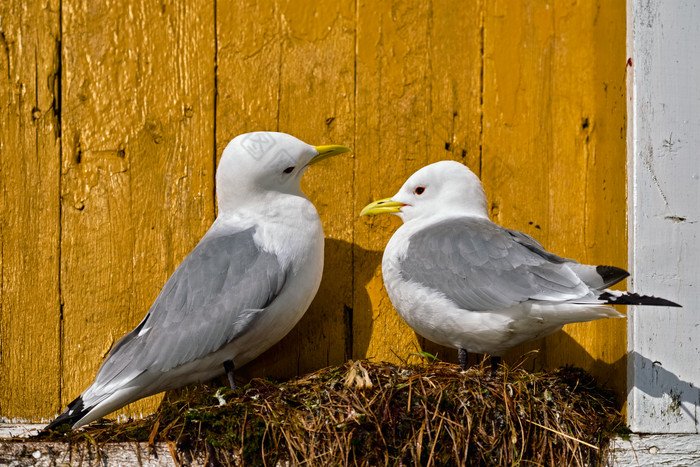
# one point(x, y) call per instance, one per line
point(653, 450)
point(664, 208)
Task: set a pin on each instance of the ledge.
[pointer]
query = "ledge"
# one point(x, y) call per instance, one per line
point(33, 453)
point(637, 450)
point(666, 449)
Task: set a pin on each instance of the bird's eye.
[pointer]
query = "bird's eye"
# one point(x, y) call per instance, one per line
point(288, 170)
point(419, 190)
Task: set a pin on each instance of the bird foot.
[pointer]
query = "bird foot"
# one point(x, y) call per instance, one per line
point(229, 367)
point(462, 356)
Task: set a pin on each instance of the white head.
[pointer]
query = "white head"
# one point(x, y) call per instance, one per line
point(265, 161)
point(442, 188)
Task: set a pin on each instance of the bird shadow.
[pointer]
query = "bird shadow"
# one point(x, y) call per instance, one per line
point(561, 349)
point(660, 383)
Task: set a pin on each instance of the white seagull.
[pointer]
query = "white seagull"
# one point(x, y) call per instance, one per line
point(465, 282)
point(241, 289)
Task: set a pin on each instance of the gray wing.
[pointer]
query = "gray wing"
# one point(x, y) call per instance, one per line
point(482, 266)
point(535, 246)
point(215, 295)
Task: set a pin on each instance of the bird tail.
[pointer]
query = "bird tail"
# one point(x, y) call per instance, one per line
point(598, 277)
point(611, 275)
point(613, 297)
point(74, 412)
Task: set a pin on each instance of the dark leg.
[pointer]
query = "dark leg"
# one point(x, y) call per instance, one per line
point(495, 361)
point(229, 367)
point(462, 355)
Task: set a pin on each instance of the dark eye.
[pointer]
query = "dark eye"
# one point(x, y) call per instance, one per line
point(288, 170)
point(419, 190)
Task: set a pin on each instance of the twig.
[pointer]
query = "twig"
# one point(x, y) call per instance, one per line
point(565, 435)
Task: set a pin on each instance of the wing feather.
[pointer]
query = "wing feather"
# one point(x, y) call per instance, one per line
point(219, 290)
point(482, 266)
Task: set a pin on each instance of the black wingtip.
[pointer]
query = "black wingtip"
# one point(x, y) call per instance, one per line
point(628, 298)
point(611, 275)
point(74, 412)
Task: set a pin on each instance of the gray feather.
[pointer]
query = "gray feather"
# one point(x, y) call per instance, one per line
point(214, 296)
point(482, 266)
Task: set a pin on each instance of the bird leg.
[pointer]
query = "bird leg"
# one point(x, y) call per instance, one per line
point(495, 361)
point(462, 355)
point(229, 367)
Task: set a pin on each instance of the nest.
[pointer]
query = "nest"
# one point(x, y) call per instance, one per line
point(364, 413)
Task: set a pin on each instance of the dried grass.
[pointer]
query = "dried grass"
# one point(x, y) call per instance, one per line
point(364, 413)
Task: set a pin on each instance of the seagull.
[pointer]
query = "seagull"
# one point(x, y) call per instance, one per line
point(239, 291)
point(462, 281)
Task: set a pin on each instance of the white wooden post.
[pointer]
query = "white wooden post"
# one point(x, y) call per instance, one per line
point(663, 41)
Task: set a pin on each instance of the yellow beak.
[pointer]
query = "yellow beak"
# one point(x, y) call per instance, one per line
point(324, 152)
point(382, 206)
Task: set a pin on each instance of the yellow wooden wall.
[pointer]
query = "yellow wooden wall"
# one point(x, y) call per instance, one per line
point(112, 118)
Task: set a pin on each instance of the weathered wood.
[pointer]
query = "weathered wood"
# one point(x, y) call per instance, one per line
point(39, 454)
point(591, 130)
point(528, 95)
point(666, 450)
point(30, 306)
point(664, 344)
point(137, 166)
point(19, 430)
point(248, 58)
point(290, 68)
point(393, 105)
point(317, 82)
point(418, 74)
point(673, 450)
point(553, 163)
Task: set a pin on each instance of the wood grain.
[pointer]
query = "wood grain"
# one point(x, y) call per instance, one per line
point(137, 166)
point(418, 101)
point(664, 228)
point(30, 307)
point(314, 78)
point(529, 95)
point(554, 151)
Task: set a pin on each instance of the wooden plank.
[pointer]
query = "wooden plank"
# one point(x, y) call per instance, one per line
point(19, 430)
point(248, 67)
point(393, 105)
point(29, 209)
point(588, 212)
point(517, 136)
point(316, 85)
point(664, 226)
point(600, 347)
point(138, 157)
point(418, 95)
point(49, 454)
point(668, 450)
point(553, 149)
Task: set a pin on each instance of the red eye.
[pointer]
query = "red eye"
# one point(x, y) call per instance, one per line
point(288, 170)
point(419, 190)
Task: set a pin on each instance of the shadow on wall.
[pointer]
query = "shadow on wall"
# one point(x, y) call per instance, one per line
point(661, 383)
point(332, 331)
point(613, 375)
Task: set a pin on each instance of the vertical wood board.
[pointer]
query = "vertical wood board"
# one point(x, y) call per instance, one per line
point(314, 75)
point(30, 360)
point(137, 166)
point(664, 228)
point(553, 162)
